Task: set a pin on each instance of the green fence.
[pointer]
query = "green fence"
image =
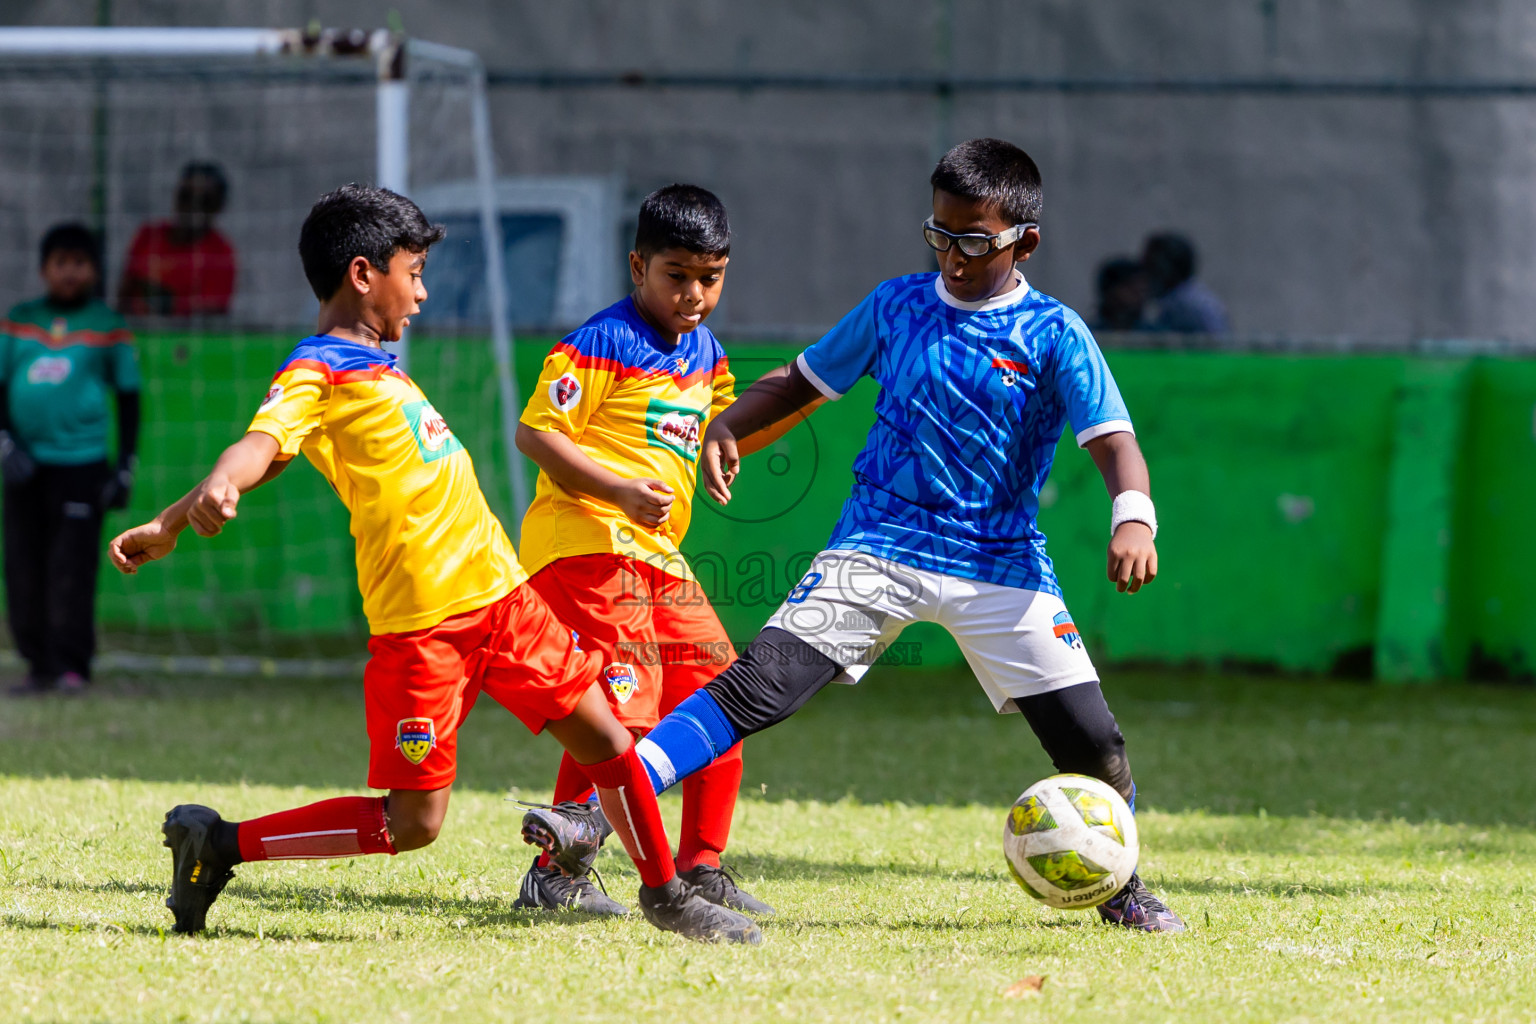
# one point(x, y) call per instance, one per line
point(1345, 513)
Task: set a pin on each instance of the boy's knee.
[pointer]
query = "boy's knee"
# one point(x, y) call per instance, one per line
point(414, 818)
point(773, 678)
point(1079, 733)
point(412, 833)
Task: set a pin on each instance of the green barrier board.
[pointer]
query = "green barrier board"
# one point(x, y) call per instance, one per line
point(1353, 514)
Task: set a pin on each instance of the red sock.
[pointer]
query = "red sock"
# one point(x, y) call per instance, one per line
point(571, 784)
point(347, 826)
point(709, 800)
point(630, 804)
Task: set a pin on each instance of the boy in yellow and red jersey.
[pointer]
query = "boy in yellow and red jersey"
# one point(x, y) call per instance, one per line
point(446, 601)
point(614, 424)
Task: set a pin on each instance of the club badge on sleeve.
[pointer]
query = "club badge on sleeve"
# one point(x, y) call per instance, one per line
point(415, 738)
point(565, 392)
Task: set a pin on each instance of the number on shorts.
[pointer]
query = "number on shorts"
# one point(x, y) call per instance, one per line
point(803, 589)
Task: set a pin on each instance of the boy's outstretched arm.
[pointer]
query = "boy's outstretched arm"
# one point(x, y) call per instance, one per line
point(645, 500)
point(1132, 555)
point(245, 465)
point(761, 415)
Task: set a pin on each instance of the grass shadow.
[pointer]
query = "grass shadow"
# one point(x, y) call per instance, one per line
point(1224, 744)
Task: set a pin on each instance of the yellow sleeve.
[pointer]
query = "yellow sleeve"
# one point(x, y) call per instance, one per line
point(724, 388)
point(578, 376)
point(293, 408)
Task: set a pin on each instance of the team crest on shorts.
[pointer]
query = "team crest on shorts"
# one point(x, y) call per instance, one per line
point(415, 738)
point(1067, 630)
point(621, 681)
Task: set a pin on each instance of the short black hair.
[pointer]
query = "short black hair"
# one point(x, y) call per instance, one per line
point(215, 175)
point(1169, 258)
point(360, 220)
point(683, 217)
point(994, 172)
point(71, 237)
point(1117, 270)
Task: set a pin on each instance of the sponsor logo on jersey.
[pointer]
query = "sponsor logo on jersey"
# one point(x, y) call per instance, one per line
point(674, 426)
point(433, 438)
point(415, 738)
point(49, 370)
point(565, 392)
point(621, 681)
point(274, 395)
point(1067, 630)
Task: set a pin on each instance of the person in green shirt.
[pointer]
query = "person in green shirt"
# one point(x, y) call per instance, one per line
point(60, 356)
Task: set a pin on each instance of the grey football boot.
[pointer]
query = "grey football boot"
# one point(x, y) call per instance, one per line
point(549, 888)
point(679, 907)
point(718, 885)
point(569, 832)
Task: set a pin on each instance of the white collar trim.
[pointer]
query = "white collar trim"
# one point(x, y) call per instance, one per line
point(1011, 297)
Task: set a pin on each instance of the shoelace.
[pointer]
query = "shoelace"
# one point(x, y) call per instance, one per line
point(568, 806)
point(574, 881)
point(728, 876)
point(1137, 893)
point(731, 876)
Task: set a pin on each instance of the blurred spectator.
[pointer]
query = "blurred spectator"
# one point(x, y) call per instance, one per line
point(1122, 295)
point(183, 266)
point(1179, 302)
point(59, 356)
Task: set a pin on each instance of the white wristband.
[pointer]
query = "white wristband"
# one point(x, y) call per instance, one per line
point(1133, 507)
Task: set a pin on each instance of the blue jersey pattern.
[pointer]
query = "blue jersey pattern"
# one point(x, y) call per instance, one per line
point(972, 404)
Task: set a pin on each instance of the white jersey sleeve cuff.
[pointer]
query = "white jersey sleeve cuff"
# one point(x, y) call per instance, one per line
point(810, 375)
point(1107, 427)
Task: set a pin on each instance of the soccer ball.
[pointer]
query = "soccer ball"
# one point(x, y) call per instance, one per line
point(1071, 842)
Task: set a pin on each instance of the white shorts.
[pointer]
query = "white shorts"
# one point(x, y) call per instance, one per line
point(851, 606)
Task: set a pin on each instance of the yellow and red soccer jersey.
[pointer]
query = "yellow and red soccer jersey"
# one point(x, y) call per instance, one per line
point(637, 406)
point(428, 547)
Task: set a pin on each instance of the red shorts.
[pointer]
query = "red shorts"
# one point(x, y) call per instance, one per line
point(657, 635)
point(419, 686)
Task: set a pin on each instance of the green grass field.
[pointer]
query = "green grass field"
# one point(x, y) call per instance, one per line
point(1342, 853)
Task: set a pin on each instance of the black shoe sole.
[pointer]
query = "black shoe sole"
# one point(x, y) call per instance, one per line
point(536, 833)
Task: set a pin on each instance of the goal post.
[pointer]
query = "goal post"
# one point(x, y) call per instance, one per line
point(252, 99)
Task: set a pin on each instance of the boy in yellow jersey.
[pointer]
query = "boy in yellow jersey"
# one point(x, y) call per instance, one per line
point(614, 424)
point(444, 594)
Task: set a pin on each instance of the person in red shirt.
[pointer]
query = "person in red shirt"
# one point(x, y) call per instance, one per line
point(183, 266)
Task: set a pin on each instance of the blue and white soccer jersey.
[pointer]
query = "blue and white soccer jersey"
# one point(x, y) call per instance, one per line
point(974, 397)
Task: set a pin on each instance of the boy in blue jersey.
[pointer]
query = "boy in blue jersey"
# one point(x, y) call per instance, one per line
point(979, 373)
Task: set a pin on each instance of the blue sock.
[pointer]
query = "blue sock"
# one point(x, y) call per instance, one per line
point(689, 738)
point(1132, 800)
